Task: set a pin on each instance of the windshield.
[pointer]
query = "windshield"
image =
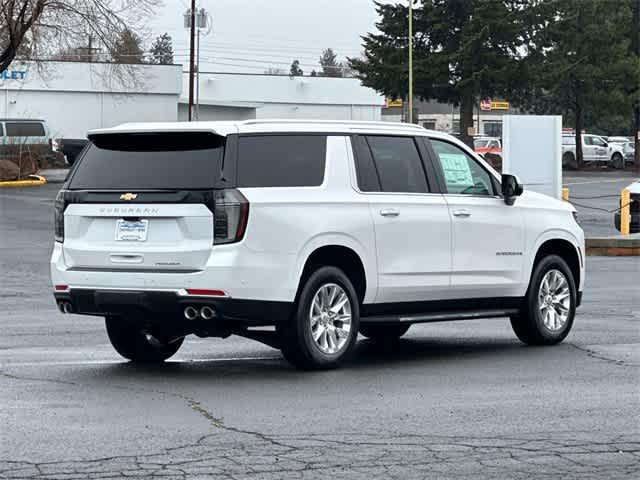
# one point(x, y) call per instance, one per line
point(482, 143)
point(150, 161)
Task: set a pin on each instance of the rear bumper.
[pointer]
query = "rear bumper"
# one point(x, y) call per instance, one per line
point(169, 306)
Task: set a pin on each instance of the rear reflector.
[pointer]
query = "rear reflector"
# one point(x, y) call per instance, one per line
point(207, 293)
point(61, 288)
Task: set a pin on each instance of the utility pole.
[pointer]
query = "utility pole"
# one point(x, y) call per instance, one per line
point(410, 61)
point(192, 27)
point(636, 110)
point(90, 49)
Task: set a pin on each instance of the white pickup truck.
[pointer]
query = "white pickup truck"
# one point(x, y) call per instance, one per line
point(594, 149)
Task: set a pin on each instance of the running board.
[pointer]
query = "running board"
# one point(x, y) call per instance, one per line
point(439, 316)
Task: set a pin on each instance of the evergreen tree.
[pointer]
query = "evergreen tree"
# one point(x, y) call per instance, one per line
point(329, 64)
point(585, 70)
point(128, 48)
point(162, 50)
point(295, 70)
point(463, 51)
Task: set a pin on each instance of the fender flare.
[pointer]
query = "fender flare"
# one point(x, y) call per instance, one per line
point(367, 257)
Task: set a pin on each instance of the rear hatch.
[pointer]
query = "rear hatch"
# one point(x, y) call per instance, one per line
point(142, 202)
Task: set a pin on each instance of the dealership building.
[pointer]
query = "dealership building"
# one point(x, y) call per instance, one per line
point(73, 97)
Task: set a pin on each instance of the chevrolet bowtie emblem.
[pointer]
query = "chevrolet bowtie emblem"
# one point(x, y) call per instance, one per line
point(128, 196)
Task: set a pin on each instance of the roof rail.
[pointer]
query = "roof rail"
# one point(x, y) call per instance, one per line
point(390, 125)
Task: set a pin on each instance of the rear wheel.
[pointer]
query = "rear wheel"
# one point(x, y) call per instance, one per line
point(324, 326)
point(133, 344)
point(381, 333)
point(550, 305)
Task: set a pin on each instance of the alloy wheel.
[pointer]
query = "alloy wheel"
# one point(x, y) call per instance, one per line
point(330, 319)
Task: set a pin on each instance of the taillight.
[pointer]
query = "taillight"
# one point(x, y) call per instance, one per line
point(58, 215)
point(230, 216)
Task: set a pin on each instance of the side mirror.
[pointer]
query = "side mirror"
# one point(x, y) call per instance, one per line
point(511, 188)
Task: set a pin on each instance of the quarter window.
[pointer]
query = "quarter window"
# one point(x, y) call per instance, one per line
point(398, 164)
point(462, 174)
point(281, 160)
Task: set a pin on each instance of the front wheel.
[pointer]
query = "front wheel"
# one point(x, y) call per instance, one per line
point(550, 306)
point(617, 161)
point(569, 161)
point(324, 326)
point(133, 344)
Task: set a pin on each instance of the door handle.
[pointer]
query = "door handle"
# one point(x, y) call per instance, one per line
point(462, 213)
point(389, 212)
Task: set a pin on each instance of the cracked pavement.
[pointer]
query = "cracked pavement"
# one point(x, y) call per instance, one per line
point(455, 400)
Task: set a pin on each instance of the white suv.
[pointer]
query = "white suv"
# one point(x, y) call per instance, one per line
point(318, 229)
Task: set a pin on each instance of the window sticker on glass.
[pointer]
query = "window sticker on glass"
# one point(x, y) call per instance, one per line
point(457, 173)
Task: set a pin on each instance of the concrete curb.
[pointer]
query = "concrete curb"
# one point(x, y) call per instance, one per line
point(614, 246)
point(34, 181)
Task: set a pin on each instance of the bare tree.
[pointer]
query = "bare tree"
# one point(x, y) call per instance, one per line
point(50, 26)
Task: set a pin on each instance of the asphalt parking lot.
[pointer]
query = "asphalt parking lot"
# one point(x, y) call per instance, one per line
point(449, 400)
point(595, 194)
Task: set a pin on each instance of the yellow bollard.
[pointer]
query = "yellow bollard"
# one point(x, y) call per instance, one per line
point(625, 211)
point(565, 194)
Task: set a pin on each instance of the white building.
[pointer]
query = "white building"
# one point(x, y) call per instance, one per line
point(74, 97)
point(231, 96)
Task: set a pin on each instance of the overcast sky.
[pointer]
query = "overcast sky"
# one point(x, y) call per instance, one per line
point(253, 35)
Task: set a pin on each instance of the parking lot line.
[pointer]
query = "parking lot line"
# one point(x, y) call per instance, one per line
point(63, 363)
point(617, 180)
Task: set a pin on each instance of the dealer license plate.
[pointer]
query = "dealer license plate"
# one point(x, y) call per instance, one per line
point(132, 230)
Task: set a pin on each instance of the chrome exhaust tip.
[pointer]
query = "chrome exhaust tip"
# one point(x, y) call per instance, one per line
point(190, 313)
point(61, 307)
point(67, 307)
point(207, 313)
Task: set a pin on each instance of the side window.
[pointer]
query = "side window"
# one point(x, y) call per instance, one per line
point(25, 129)
point(368, 180)
point(462, 173)
point(398, 164)
point(588, 140)
point(598, 142)
point(295, 160)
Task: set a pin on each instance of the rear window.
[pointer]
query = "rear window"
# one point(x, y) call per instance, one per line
point(281, 160)
point(568, 140)
point(25, 129)
point(150, 161)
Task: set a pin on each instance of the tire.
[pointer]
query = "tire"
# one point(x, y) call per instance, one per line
point(617, 161)
point(540, 325)
point(129, 341)
point(315, 336)
point(382, 333)
point(569, 161)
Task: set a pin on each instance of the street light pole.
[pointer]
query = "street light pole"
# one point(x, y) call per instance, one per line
point(191, 54)
point(410, 61)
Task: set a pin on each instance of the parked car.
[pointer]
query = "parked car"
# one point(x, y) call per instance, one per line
point(634, 209)
point(27, 142)
point(317, 229)
point(483, 145)
point(594, 149)
point(71, 148)
point(489, 148)
point(629, 150)
point(621, 140)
